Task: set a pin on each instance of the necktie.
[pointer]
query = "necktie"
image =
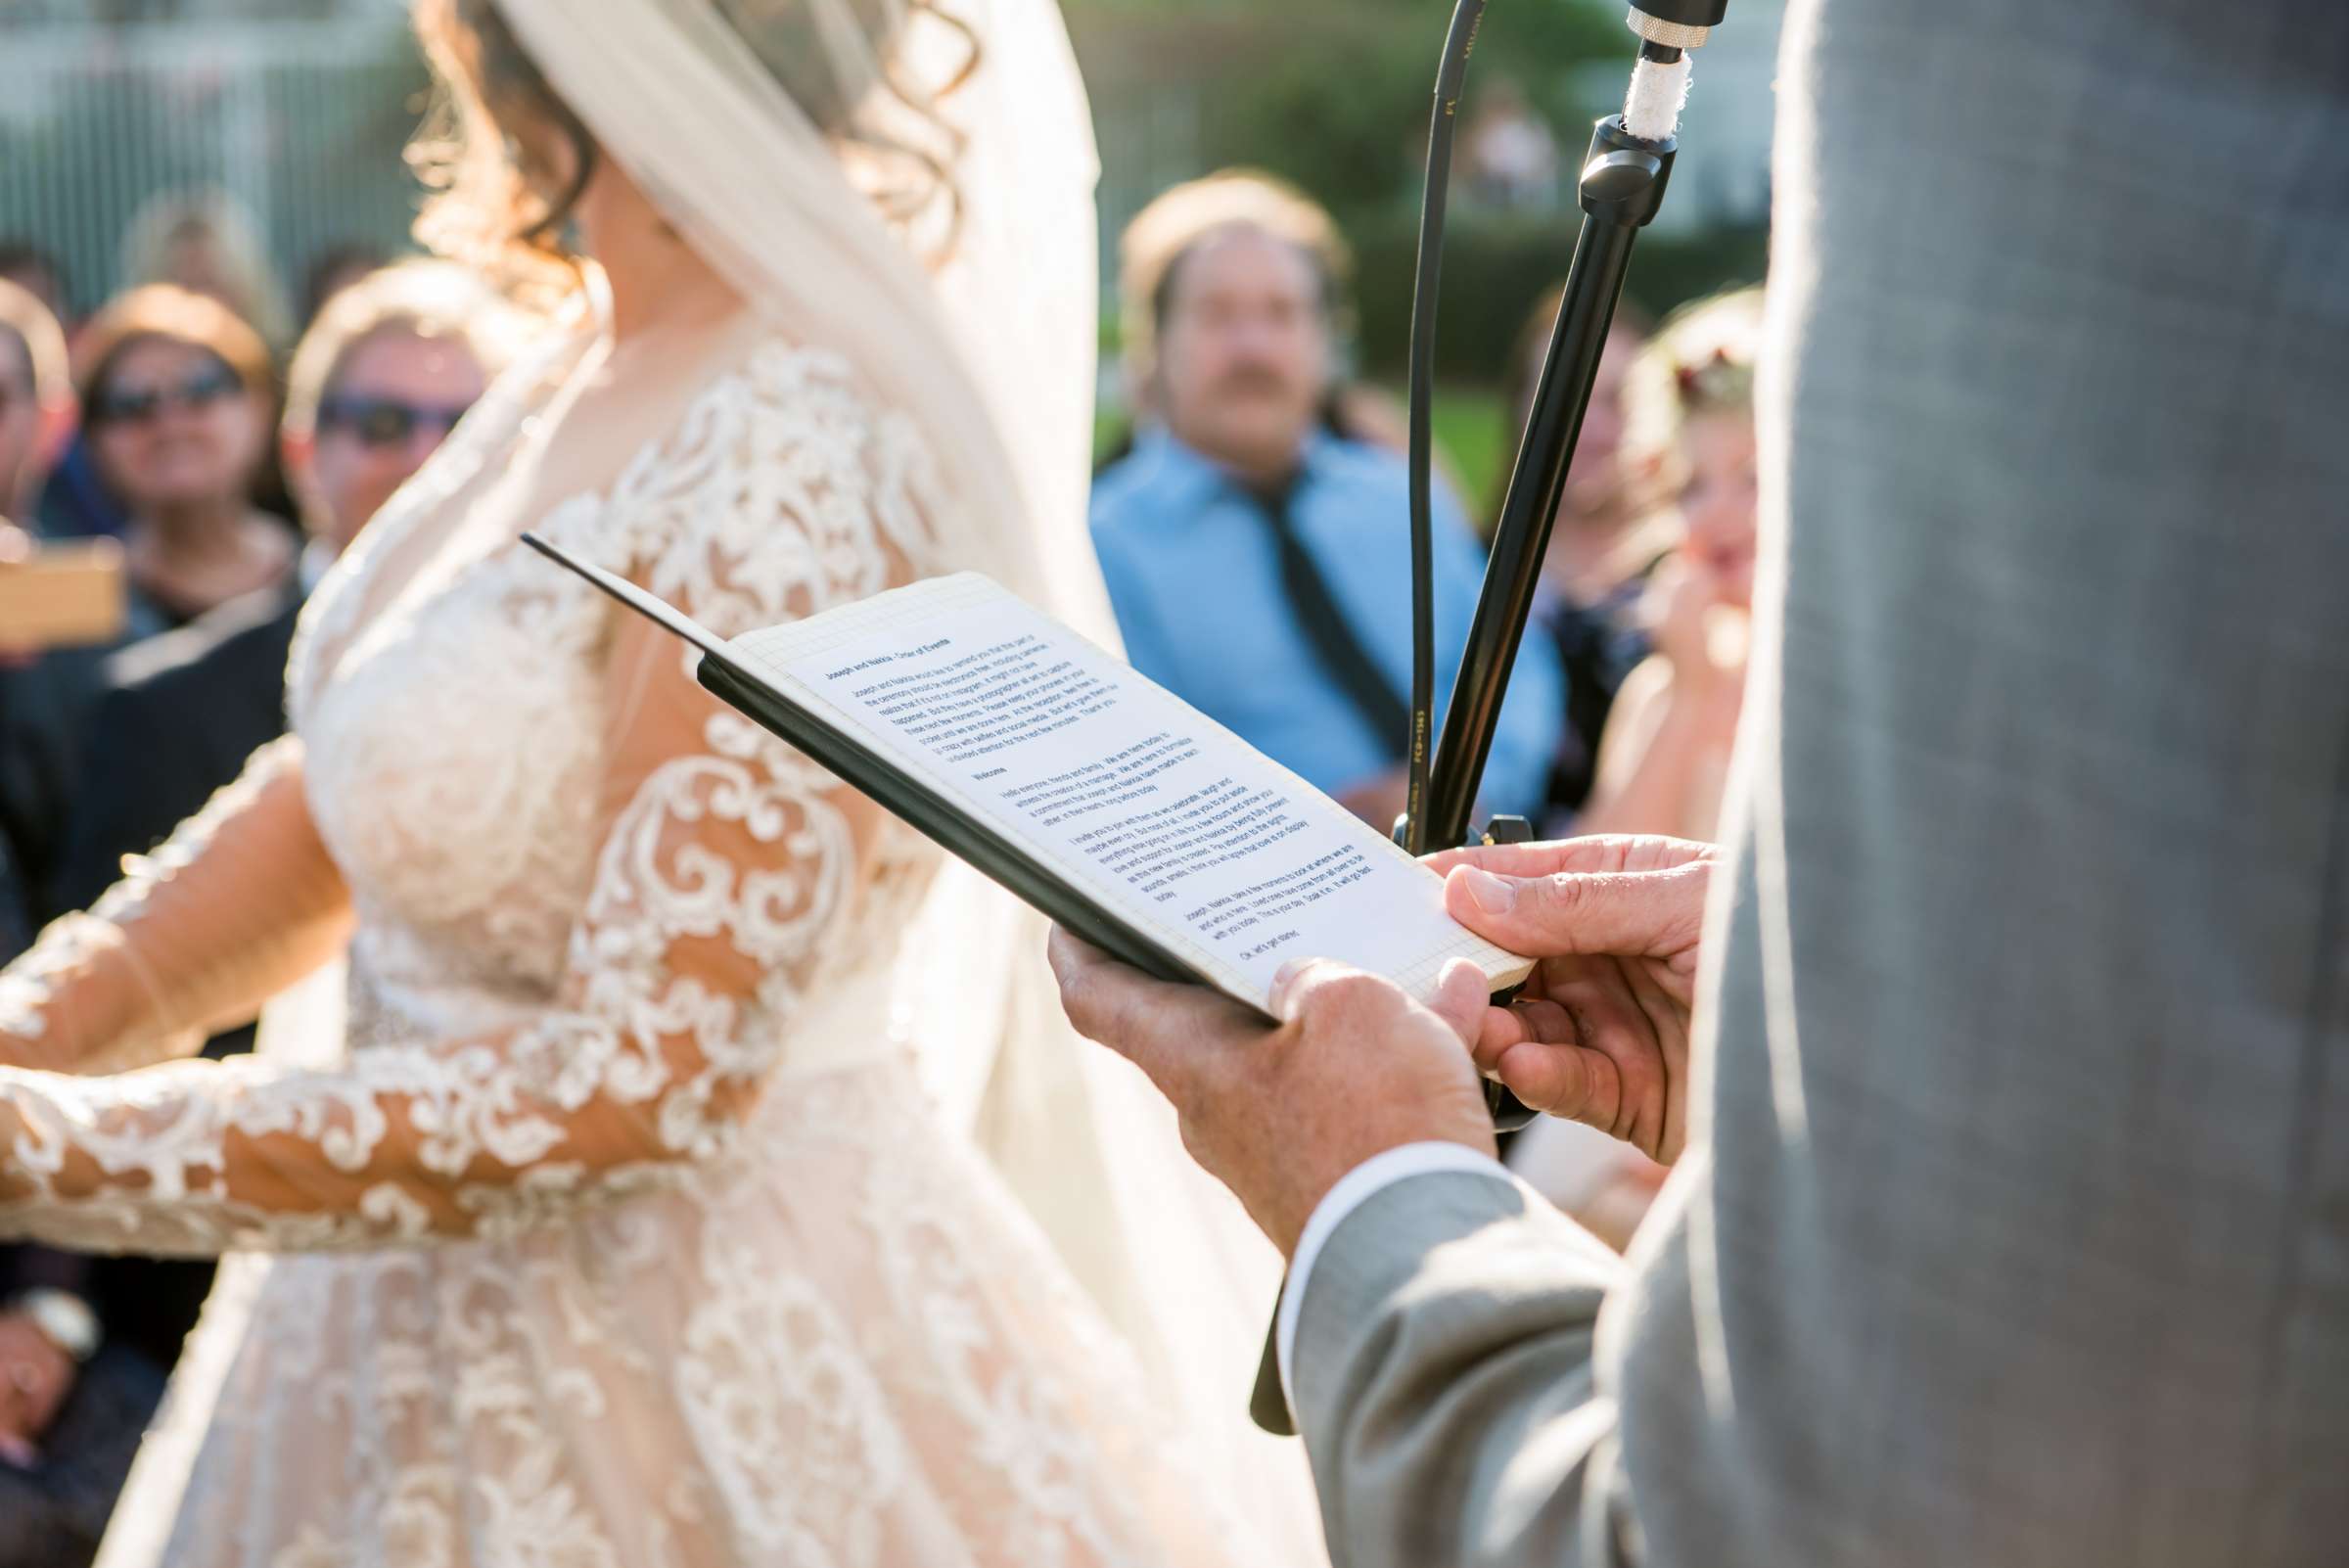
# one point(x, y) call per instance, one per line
point(1339, 651)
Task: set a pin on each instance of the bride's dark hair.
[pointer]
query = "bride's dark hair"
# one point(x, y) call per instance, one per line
point(507, 159)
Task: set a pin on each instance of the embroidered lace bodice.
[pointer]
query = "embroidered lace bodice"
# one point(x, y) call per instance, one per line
point(589, 899)
point(614, 1229)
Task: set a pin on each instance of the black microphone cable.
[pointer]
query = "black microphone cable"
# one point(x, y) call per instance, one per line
point(1630, 160)
point(1452, 78)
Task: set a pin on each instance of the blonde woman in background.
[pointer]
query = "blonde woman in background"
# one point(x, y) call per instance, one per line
point(207, 242)
point(1688, 439)
point(178, 402)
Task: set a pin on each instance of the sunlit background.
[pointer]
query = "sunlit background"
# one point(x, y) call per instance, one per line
point(298, 109)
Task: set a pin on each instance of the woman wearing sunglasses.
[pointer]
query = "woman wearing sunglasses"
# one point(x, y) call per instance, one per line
point(178, 399)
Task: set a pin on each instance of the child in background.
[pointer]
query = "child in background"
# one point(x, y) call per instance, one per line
point(1688, 440)
point(1688, 447)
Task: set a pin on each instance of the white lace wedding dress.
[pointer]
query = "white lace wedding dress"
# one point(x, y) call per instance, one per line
point(618, 1233)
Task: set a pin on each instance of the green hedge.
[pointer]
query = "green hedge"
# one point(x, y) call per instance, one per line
point(1495, 269)
point(1339, 99)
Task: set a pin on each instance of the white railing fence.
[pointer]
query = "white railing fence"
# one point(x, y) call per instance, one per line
point(302, 121)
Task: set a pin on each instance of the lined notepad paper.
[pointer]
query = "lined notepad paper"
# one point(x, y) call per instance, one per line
point(1226, 858)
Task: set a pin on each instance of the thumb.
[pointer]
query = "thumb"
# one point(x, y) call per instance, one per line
point(1462, 996)
point(1624, 915)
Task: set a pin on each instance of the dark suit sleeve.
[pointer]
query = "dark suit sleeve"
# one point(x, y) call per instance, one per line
point(134, 788)
point(160, 741)
point(44, 711)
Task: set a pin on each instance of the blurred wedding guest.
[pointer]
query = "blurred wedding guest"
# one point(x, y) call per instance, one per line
point(177, 404)
point(16, 898)
point(36, 399)
point(1688, 439)
point(35, 268)
point(72, 1413)
point(60, 1458)
point(1595, 542)
point(177, 398)
point(1512, 159)
point(36, 418)
point(389, 366)
point(336, 268)
point(1259, 562)
point(207, 242)
point(1597, 559)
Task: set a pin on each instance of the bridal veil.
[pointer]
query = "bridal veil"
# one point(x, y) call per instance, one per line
point(938, 230)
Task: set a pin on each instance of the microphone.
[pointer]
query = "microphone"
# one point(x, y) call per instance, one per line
point(1676, 23)
point(1667, 30)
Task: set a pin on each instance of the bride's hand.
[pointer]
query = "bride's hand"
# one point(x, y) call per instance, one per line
point(35, 1376)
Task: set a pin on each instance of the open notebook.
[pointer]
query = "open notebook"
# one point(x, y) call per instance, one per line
point(1083, 787)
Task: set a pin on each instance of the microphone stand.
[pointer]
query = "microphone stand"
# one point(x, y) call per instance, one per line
point(1619, 189)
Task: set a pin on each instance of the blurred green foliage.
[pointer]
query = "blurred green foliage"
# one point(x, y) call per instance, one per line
point(1345, 112)
point(1471, 441)
point(1336, 96)
point(1495, 267)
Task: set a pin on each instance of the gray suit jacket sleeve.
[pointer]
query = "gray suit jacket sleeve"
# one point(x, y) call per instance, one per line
point(1443, 1377)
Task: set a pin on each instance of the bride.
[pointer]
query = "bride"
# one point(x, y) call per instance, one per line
point(632, 1211)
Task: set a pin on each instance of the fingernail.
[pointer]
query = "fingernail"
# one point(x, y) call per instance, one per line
point(1494, 895)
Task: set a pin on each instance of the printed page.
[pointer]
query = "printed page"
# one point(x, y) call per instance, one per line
point(1233, 862)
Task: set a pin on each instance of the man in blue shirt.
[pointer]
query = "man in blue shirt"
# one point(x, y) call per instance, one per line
point(1258, 557)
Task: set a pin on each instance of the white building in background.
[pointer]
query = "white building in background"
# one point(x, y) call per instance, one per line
point(299, 109)
point(1721, 178)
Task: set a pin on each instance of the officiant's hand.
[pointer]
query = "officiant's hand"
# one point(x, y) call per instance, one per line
point(1280, 1114)
point(1599, 1033)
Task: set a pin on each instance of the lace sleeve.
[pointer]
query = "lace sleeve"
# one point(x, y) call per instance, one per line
point(727, 861)
point(238, 903)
